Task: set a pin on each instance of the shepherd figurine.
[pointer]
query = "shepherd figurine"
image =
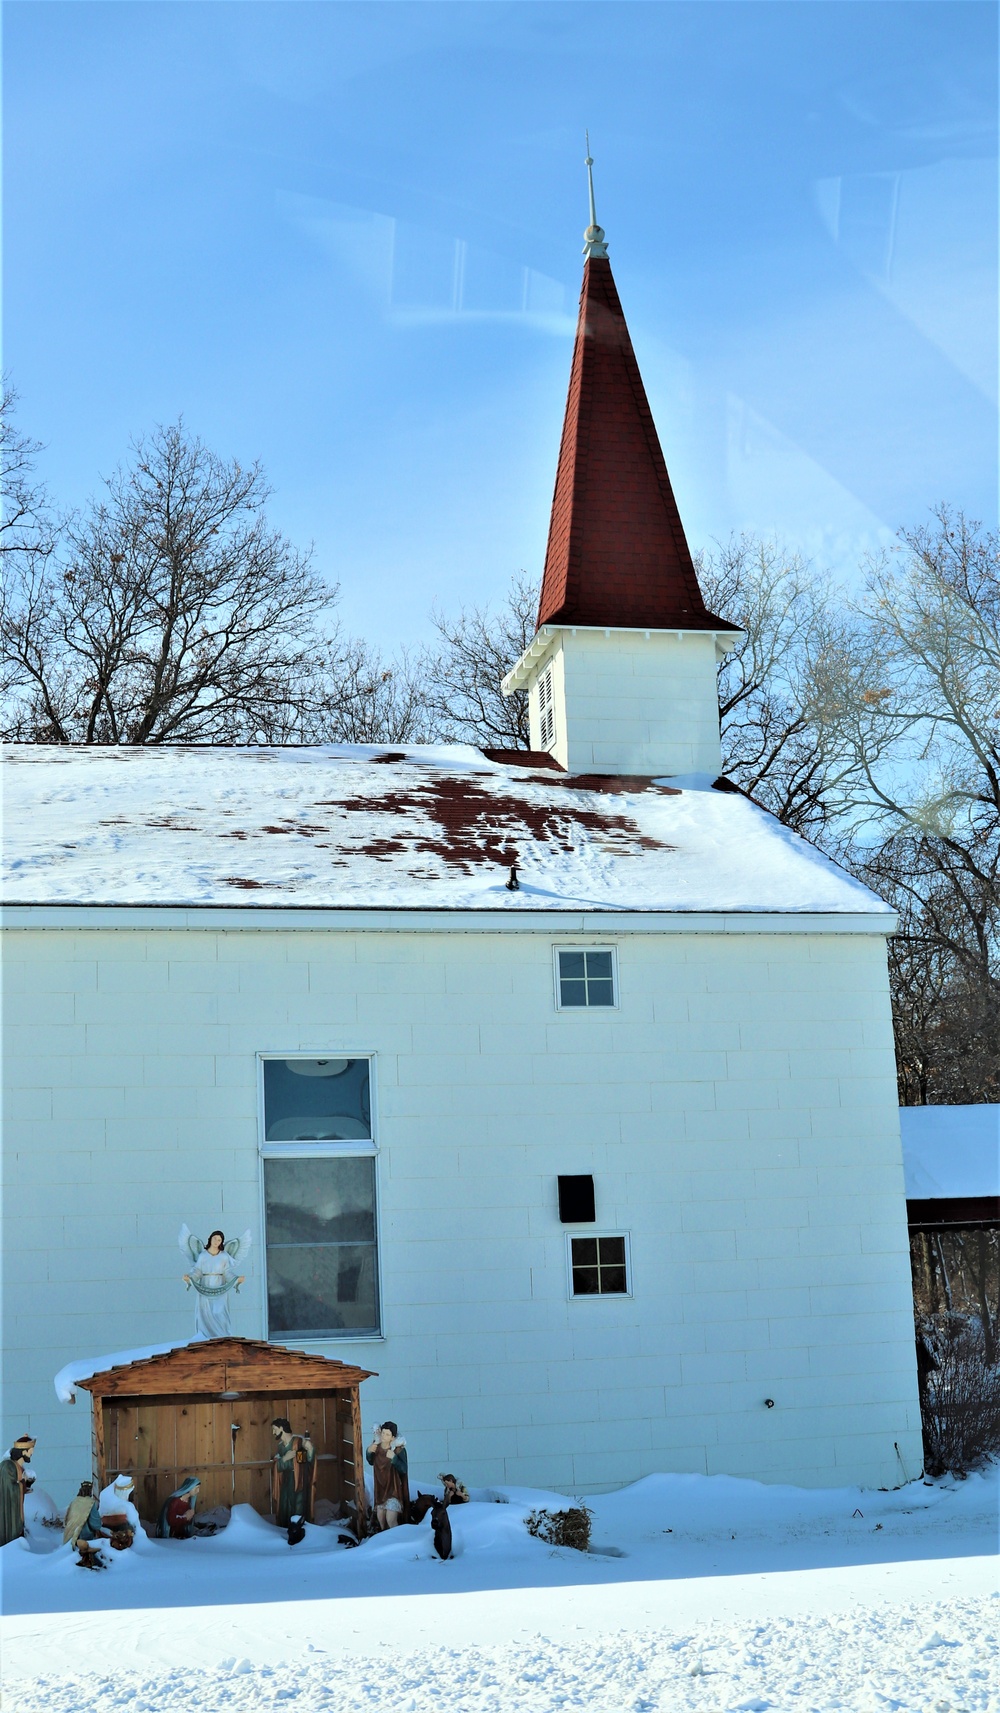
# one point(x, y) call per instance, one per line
point(390, 1476)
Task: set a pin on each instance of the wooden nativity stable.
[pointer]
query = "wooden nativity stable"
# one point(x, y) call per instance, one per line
point(206, 1409)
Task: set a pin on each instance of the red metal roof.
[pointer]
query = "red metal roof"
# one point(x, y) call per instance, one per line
point(617, 554)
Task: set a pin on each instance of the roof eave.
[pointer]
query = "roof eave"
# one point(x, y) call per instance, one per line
point(725, 637)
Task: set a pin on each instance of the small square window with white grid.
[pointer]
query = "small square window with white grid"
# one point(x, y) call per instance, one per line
point(546, 711)
point(585, 978)
point(599, 1266)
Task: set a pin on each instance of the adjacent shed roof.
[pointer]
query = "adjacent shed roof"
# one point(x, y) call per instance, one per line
point(418, 828)
point(950, 1152)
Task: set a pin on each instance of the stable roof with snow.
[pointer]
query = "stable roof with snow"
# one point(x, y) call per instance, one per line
point(211, 1366)
point(421, 828)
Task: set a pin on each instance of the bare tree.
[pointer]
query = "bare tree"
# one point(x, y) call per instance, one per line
point(25, 523)
point(907, 707)
point(364, 698)
point(464, 672)
point(946, 1010)
point(787, 614)
point(170, 612)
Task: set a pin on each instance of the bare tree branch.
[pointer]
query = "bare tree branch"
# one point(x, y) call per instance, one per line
point(171, 612)
point(464, 672)
point(786, 613)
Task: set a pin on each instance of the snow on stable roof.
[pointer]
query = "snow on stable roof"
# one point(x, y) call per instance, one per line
point(84, 1367)
point(425, 827)
point(950, 1152)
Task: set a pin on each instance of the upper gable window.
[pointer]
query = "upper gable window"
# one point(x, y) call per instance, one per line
point(599, 1266)
point(585, 978)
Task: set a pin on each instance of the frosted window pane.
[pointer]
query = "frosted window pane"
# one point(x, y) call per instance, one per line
point(322, 1290)
point(320, 1201)
point(321, 1253)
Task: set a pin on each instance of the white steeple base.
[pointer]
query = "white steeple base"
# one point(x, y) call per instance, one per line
point(624, 701)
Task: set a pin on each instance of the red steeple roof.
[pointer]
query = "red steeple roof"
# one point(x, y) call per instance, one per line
point(617, 554)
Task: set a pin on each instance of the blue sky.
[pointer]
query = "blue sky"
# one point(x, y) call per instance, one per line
point(345, 239)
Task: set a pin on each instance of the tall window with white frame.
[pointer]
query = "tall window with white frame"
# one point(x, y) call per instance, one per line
point(318, 1160)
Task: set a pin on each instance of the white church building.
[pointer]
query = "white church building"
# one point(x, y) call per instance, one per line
point(555, 1087)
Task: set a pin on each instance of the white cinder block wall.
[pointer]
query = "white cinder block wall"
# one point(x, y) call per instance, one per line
point(630, 701)
point(738, 1112)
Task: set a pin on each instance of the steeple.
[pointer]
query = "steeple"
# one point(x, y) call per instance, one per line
point(621, 673)
point(617, 554)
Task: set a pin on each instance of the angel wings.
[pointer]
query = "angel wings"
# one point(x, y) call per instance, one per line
point(191, 1247)
point(214, 1275)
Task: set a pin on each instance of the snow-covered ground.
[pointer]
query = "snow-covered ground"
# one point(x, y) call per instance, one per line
point(710, 1594)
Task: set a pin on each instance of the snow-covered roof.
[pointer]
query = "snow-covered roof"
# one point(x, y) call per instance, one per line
point(85, 1367)
point(234, 1359)
point(950, 1152)
point(422, 827)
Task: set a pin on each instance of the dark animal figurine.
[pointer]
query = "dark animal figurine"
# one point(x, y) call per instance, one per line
point(296, 1531)
point(91, 1557)
point(420, 1506)
point(441, 1524)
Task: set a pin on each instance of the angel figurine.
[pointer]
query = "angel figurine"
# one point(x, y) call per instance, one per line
point(213, 1276)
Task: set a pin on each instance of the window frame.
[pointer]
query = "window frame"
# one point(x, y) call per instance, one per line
point(585, 1010)
point(572, 1234)
point(305, 1150)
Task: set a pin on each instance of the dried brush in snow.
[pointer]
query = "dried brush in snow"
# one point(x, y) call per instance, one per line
point(561, 1528)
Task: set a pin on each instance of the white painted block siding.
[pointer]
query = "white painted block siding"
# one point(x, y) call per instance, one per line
point(738, 1112)
point(630, 702)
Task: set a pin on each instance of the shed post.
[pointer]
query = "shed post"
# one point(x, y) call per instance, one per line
point(97, 1438)
point(360, 1497)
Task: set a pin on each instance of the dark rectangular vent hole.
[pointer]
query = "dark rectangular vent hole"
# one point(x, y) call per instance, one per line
point(576, 1199)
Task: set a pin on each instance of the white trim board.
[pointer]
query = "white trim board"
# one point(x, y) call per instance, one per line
point(306, 918)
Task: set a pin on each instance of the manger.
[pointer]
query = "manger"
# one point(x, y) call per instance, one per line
point(208, 1410)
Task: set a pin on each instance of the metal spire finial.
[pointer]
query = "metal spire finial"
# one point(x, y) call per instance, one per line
point(593, 238)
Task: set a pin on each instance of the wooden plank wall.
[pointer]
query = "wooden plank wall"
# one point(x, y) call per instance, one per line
point(163, 1440)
